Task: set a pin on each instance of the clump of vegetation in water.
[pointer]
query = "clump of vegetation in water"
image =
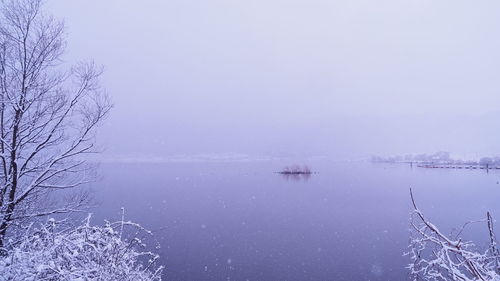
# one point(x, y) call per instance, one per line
point(296, 170)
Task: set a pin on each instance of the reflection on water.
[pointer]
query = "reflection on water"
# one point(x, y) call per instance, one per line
point(296, 177)
point(240, 221)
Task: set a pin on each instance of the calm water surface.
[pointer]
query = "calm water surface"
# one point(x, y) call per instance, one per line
point(241, 221)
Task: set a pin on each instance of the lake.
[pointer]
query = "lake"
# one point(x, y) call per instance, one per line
point(242, 221)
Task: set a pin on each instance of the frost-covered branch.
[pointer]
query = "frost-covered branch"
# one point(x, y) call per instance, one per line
point(56, 251)
point(437, 257)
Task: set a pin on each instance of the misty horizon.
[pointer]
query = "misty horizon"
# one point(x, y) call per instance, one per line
point(310, 78)
point(262, 140)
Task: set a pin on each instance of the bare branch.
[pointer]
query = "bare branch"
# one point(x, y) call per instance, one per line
point(436, 257)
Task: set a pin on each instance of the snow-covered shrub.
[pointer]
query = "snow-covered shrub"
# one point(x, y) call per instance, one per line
point(439, 257)
point(55, 251)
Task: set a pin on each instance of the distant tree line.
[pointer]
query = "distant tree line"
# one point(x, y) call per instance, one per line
point(441, 157)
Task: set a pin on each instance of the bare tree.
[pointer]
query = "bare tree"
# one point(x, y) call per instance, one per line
point(48, 115)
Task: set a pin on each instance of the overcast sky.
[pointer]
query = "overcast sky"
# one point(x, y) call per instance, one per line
point(310, 77)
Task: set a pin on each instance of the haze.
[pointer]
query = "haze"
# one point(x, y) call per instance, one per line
point(297, 77)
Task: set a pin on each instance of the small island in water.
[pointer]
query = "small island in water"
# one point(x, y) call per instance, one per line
point(296, 170)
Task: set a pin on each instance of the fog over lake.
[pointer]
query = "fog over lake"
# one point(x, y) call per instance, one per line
point(213, 97)
point(241, 221)
point(337, 78)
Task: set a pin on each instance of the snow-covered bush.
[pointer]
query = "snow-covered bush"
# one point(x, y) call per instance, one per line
point(55, 252)
point(439, 257)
